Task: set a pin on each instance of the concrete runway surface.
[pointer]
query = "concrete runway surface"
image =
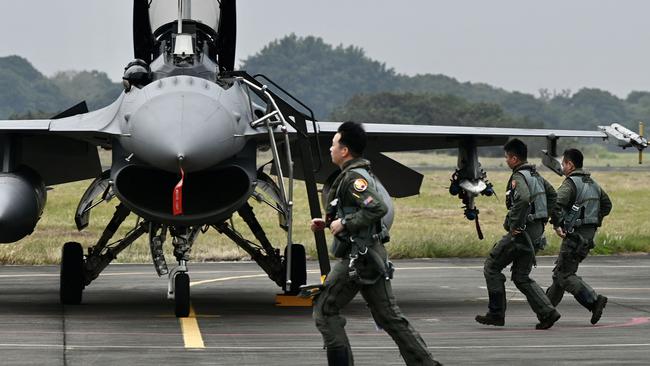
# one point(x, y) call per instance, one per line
point(125, 318)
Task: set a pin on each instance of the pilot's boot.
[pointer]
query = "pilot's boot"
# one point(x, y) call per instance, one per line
point(597, 311)
point(491, 319)
point(548, 321)
point(340, 356)
point(497, 309)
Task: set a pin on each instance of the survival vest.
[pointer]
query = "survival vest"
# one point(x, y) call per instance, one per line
point(535, 183)
point(381, 231)
point(587, 198)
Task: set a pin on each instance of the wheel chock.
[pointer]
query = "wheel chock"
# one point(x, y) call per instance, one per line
point(283, 300)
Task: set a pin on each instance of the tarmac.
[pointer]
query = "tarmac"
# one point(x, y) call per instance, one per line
point(125, 318)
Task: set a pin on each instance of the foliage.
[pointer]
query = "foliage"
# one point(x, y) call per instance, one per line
point(322, 76)
point(93, 86)
point(23, 89)
point(327, 77)
point(423, 109)
point(26, 93)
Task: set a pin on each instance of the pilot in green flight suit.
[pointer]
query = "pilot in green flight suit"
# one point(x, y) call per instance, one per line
point(354, 216)
point(581, 207)
point(528, 199)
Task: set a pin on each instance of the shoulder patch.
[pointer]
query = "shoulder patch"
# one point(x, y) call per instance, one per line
point(360, 185)
point(513, 184)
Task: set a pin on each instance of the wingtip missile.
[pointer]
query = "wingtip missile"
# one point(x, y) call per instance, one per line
point(626, 137)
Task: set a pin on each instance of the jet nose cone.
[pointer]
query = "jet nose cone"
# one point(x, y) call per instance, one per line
point(183, 123)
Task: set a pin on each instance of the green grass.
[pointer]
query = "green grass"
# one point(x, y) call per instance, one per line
point(428, 225)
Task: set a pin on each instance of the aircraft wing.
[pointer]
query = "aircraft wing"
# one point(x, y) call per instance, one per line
point(398, 137)
point(399, 180)
point(62, 149)
point(402, 181)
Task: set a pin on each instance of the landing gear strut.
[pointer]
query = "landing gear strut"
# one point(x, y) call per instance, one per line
point(178, 288)
point(77, 272)
point(267, 257)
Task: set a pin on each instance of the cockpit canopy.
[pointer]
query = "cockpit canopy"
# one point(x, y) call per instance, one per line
point(163, 12)
point(208, 28)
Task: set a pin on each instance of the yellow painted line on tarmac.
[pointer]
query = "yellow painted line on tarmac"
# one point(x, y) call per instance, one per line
point(191, 331)
point(197, 283)
point(192, 337)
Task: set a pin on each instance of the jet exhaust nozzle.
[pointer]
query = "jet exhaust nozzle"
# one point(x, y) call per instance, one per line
point(22, 199)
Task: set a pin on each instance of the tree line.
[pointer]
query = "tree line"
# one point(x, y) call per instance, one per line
point(25, 93)
point(341, 82)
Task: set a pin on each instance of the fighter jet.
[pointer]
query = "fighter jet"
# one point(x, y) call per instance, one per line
point(184, 137)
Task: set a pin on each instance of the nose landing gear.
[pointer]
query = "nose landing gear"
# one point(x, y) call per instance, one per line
point(179, 290)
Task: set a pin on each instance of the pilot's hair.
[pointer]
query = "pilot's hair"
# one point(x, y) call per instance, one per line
point(353, 136)
point(574, 156)
point(517, 148)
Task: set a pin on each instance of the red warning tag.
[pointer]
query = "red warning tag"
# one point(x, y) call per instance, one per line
point(177, 197)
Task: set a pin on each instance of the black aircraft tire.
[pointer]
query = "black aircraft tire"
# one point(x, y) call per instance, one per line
point(71, 281)
point(298, 268)
point(182, 295)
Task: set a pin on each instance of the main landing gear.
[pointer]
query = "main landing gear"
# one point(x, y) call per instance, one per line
point(71, 281)
point(78, 271)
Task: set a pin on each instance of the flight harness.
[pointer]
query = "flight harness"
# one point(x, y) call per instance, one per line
point(359, 251)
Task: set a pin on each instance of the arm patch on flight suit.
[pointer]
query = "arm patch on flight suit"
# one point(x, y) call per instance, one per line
point(360, 185)
point(368, 201)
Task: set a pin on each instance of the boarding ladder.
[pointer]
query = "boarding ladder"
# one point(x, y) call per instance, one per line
point(279, 116)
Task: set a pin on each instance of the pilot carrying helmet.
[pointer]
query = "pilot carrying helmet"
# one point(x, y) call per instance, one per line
point(137, 73)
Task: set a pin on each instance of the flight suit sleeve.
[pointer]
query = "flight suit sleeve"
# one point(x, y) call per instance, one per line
point(605, 206)
point(565, 198)
point(360, 194)
point(520, 202)
point(551, 199)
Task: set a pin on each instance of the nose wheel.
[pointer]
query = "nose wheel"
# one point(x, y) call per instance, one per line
point(182, 295)
point(179, 290)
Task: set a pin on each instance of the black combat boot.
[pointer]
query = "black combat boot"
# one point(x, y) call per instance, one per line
point(491, 319)
point(599, 305)
point(548, 320)
point(338, 357)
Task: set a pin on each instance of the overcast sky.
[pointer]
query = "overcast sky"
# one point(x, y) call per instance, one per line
point(514, 44)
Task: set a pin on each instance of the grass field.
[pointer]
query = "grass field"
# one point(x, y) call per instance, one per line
point(428, 225)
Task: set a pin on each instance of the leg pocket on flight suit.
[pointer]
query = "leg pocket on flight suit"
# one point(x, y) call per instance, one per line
point(500, 246)
point(581, 247)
